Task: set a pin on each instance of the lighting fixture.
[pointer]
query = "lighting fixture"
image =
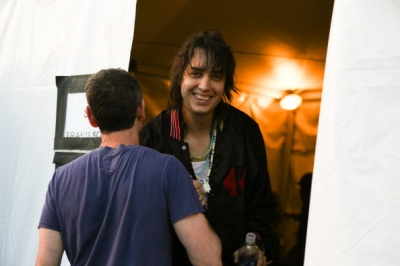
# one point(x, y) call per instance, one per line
point(290, 101)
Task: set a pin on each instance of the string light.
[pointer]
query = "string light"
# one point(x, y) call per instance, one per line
point(290, 101)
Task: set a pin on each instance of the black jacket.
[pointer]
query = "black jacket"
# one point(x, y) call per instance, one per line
point(240, 200)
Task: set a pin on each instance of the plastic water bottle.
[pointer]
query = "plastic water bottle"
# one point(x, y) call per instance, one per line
point(248, 252)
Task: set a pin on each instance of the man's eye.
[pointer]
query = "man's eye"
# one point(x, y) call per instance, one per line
point(195, 74)
point(217, 77)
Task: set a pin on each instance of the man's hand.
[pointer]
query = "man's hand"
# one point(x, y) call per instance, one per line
point(261, 261)
point(198, 186)
point(236, 256)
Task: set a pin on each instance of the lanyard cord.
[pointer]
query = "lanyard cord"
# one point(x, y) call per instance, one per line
point(205, 182)
point(213, 140)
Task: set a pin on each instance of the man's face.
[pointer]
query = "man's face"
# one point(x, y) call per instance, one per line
point(201, 90)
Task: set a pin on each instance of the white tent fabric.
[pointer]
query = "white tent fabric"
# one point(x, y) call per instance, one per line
point(39, 41)
point(354, 211)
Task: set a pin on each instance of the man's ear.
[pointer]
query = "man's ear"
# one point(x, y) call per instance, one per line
point(90, 117)
point(140, 115)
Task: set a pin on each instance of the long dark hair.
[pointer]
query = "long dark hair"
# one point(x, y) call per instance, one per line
point(218, 57)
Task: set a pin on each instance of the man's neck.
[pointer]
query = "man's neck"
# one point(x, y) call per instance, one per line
point(198, 124)
point(197, 133)
point(124, 137)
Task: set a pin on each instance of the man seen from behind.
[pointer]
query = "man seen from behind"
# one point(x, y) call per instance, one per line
point(120, 203)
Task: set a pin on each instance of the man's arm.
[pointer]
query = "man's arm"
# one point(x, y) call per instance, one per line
point(202, 244)
point(50, 248)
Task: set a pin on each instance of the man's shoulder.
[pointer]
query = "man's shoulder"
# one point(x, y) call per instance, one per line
point(236, 115)
point(156, 125)
point(162, 162)
point(162, 116)
point(156, 155)
point(77, 164)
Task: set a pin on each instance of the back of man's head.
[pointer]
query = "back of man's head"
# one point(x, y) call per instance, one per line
point(113, 96)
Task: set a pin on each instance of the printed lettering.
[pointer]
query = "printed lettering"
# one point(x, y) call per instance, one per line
point(230, 182)
point(242, 180)
point(94, 134)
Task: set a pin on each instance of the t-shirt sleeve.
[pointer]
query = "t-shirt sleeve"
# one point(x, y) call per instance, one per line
point(179, 190)
point(49, 218)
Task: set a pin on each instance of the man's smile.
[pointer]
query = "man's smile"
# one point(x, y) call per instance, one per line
point(201, 97)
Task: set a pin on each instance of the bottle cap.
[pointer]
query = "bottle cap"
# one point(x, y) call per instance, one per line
point(250, 238)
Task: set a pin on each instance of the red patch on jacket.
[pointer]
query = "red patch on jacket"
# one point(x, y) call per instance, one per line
point(230, 182)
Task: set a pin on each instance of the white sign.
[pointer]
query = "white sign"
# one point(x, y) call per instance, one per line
point(76, 121)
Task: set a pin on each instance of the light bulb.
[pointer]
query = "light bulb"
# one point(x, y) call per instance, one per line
point(291, 101)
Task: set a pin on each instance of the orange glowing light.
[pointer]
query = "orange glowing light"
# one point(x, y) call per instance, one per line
point(264, 102)
point(291, 101)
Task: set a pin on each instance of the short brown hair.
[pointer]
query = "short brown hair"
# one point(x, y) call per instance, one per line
point(113, 96)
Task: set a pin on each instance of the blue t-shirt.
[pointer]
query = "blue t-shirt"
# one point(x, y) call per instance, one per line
point(117, 206)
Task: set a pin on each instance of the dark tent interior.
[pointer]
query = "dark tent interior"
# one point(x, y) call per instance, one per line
point(280, 48)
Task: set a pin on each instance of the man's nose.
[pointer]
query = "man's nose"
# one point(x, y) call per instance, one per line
point(205, 82)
